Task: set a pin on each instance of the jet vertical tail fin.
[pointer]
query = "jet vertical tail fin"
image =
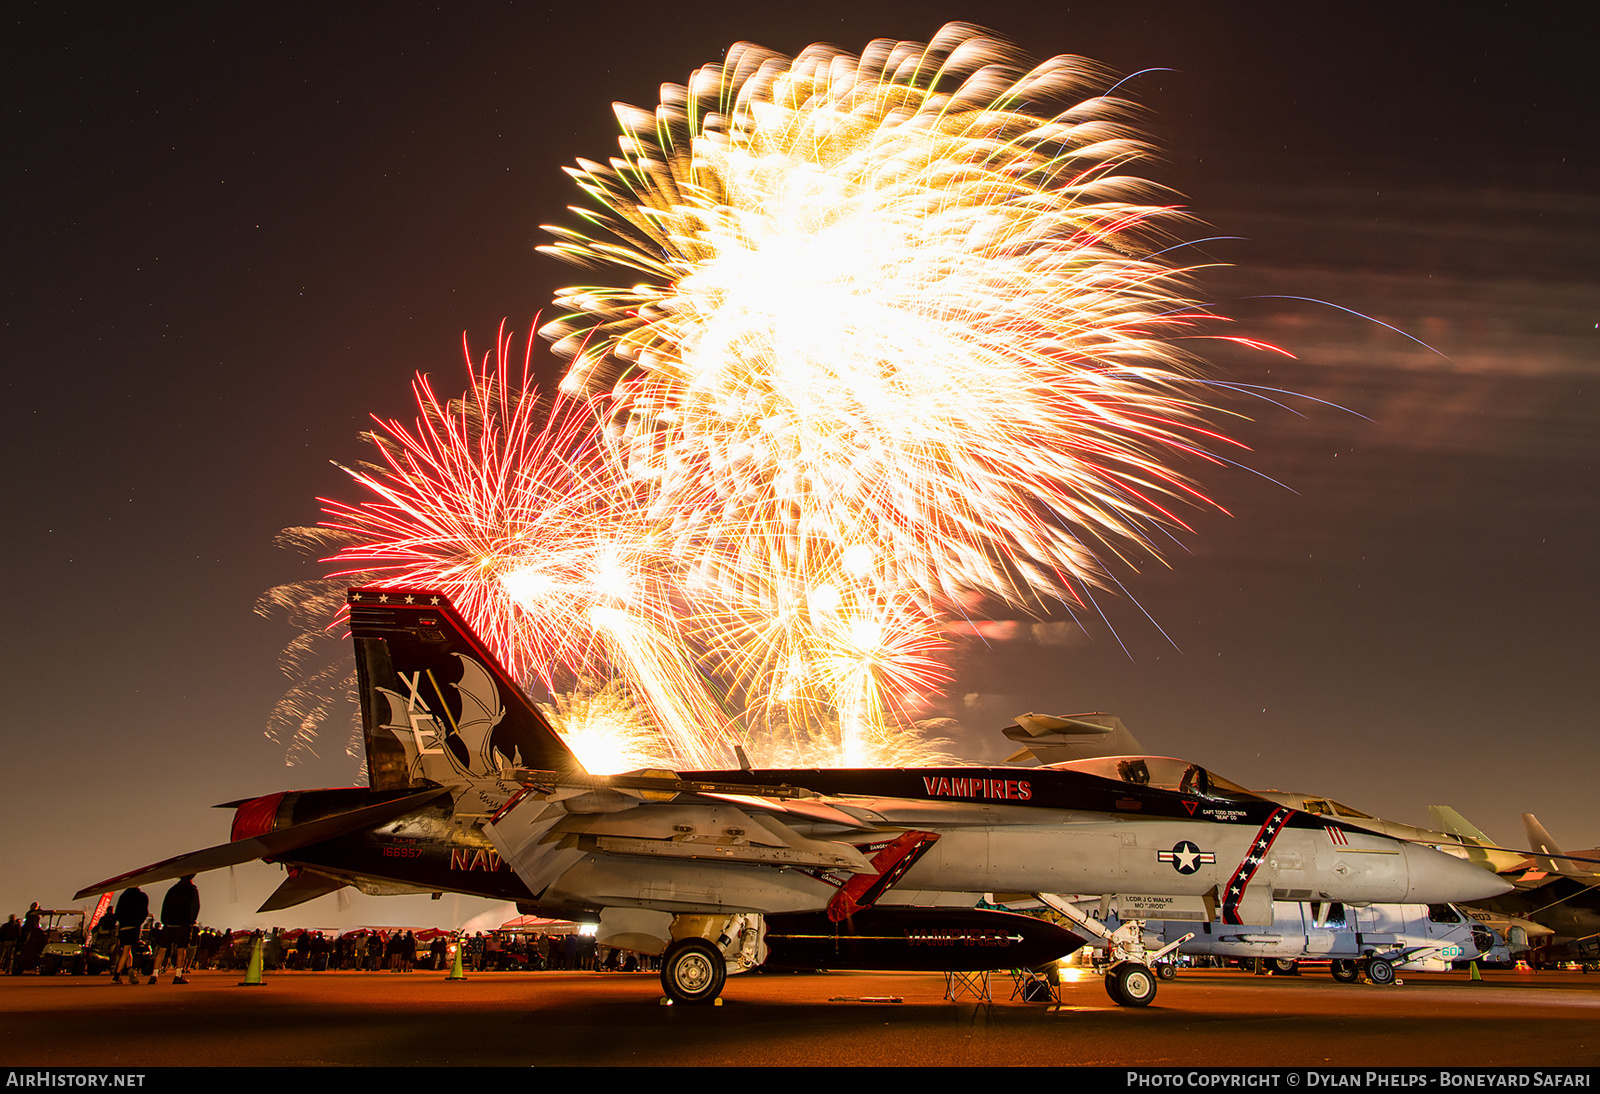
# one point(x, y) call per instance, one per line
point(1552, 859)
point(1058, 738)
point(1447, 819)
point(436, 704)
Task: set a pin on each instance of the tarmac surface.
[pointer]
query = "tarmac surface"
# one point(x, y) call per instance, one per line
point(1205, 1018)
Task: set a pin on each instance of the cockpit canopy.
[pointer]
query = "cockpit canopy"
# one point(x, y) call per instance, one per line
point(1161, 772)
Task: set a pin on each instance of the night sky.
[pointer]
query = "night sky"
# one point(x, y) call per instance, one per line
point(231, 238)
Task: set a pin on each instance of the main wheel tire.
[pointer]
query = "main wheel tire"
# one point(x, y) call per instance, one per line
point(1167, 971)
point(693, 972)
point(1131, 984)
point(1283, 966)
point(1346, 972)
point(1380, 971)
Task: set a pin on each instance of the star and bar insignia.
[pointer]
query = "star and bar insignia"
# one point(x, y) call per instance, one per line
point(1186, 858)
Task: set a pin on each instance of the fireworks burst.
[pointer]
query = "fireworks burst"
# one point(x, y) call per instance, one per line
point(605, 728)
point(315, 659)
point(463, 501)
point(905, 339)
point(904, 343)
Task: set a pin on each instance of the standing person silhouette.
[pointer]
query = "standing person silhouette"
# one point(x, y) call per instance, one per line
point(180, 910)
point(132, 908)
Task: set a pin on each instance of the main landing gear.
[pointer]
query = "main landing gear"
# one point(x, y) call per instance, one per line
point(696, 963)
point(693, 972)
point(1379, 971)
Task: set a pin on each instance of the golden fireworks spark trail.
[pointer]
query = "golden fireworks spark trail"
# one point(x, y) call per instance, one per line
point(905, 338)
point(604, 728)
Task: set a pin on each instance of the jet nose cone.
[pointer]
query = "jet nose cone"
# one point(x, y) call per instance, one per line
point(1437, 878)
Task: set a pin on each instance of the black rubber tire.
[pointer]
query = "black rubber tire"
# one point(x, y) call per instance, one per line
point(1345, 971)
point(1283, 966)
point(1167, 971)
point(1379, 971)
point(1134, 984)
point(693, 972)
point(1114, 987)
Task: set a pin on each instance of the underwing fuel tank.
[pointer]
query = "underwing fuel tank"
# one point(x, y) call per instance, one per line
point(916, 940)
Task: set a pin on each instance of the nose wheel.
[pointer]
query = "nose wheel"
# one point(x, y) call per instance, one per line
point(1131, 984)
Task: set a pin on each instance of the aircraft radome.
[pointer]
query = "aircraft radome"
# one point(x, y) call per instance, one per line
point(472, 791)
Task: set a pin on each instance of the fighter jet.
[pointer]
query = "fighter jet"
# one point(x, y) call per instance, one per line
point(1558, 891)
point(1470, 844)
point(471, 790)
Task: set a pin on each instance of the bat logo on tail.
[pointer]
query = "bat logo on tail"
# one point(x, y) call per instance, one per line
point(436, 704)
point(425, 728)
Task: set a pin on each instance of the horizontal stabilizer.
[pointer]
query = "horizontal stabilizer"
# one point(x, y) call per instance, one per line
point(268, 845)
point(299, 887)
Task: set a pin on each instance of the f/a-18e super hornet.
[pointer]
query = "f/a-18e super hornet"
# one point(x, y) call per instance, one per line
point(472, 791)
